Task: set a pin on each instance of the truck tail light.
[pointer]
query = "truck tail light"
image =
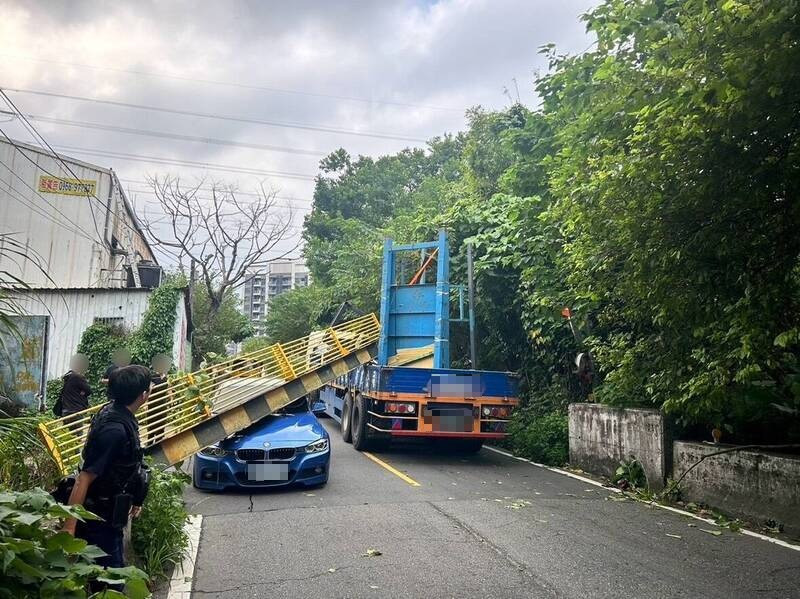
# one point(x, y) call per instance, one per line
point(400, 408)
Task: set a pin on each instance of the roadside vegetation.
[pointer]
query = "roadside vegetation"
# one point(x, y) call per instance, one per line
point(653, 193)
point(158, 534)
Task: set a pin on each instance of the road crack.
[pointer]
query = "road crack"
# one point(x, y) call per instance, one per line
point(520, 567)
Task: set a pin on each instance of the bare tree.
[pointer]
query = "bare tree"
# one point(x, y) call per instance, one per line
point(225, 237)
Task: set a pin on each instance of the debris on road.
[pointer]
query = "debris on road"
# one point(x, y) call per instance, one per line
point(371, 553)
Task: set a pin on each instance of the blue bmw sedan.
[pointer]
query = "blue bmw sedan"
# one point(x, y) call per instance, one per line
point(287, 447)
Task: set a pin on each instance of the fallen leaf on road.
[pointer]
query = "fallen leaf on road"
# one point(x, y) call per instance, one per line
point(674, 536)
point(371, 553)
point(374, 586)
point(542, 521)
point(499, 500)
point(309, 494)
point(716, 533)
point(451, 498)
point(692, 525)
point(331, 570)
point(499, 482)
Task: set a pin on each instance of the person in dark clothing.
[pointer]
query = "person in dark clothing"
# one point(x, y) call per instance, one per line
point(119, 359)
point(75, 392)
point(110, 481)
point(159, 367)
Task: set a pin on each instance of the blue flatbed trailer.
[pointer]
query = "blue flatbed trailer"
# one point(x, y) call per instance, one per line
point(379, 402)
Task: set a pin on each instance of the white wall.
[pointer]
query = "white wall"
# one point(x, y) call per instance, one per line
point(60, 229)
point(72, 311)
point(70, 235)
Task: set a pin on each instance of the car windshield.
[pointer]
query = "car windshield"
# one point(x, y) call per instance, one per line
point(296, 407)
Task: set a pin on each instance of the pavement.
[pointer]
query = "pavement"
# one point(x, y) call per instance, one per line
point(482, 525)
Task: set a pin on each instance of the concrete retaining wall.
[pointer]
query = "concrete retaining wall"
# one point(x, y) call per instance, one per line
point(601, 436)
point(758, 486)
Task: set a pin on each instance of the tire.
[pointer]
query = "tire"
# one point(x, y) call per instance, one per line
point(347, 418)
point(359, 424)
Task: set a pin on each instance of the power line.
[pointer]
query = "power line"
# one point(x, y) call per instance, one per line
point(175, 162)
point(233, 191)
point(15, 195)
point(234, 84)
point(167, 135)
point(223, 193)
point(78, 229)
point(287, 124)
point(32, 129)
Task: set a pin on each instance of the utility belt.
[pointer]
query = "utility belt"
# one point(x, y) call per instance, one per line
point(113, 507)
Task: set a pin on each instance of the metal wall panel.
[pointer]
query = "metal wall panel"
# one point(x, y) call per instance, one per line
point(59, 228)
point(72, 311)
point(70, 234)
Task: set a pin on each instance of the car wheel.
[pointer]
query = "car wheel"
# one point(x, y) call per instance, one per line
point(359, 424)
point(347, 419)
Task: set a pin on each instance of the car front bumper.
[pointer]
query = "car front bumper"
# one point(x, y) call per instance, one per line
point(216, 474)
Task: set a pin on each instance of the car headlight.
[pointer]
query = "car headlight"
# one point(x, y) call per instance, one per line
point(317, 446)
point(214, 451)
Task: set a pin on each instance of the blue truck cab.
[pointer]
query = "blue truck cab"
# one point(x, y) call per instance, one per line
point(410, 390)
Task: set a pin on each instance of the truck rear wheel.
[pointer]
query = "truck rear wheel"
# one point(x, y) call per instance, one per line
point(359, 424)
point(347, 418)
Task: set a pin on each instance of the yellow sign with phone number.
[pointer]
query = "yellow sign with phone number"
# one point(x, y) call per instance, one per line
point(70, 187)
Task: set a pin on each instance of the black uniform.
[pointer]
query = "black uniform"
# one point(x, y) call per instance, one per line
point(111, 368)
point(74, 395)
point(114, 454)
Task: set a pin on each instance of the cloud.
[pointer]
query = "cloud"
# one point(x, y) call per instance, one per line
point(408, 68)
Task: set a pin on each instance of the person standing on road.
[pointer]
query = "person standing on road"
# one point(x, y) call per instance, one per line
point(119, 359)
point(113, 481)
point(75, 392)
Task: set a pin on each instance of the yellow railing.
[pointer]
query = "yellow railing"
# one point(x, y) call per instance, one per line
point(188, 399)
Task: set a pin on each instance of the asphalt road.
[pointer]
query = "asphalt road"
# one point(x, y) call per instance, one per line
point(481, 525)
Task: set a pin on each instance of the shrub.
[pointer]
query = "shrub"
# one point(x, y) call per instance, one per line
point(52, 391)
point(540, 437)
point(24, 460)
point(154, 336)
point(39, 562)
point(97, 343)
point(254, 344)
point(158, 536)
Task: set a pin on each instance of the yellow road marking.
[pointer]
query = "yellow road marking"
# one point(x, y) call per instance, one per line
point(391, 469)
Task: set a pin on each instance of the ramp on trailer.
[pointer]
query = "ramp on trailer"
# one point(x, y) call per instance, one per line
point(193, 410)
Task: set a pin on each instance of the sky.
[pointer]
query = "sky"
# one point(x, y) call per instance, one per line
point(293, 81)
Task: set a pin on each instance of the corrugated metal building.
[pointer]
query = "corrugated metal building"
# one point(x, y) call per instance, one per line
point(78, 225)
point(69, 312)
point(94, 262)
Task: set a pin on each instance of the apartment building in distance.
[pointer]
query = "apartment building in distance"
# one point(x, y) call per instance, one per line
point(277, 277)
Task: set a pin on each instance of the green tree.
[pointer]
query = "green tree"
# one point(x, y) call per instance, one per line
point(215, 328)
point(296, 313)
point(676, 177)
point(253, 344)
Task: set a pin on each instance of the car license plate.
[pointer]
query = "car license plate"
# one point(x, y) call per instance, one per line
point(265, 472)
